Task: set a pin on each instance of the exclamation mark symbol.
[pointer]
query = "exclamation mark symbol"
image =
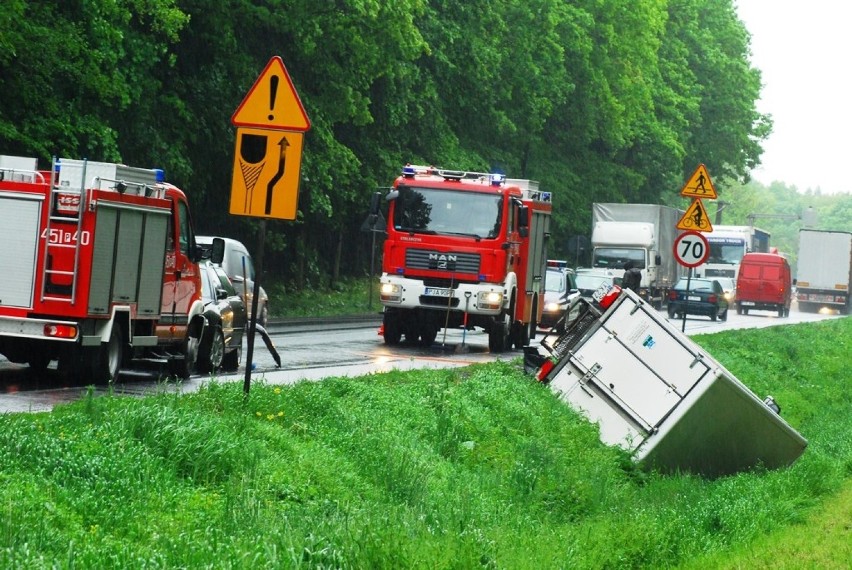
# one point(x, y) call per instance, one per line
point(273, 92)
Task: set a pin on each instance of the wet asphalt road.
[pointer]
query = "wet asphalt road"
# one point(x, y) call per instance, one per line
point(314, 349)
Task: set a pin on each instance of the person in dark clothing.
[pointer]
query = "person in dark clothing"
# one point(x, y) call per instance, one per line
point(632, 277)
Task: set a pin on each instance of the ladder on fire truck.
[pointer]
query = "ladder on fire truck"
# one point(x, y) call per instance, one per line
point(54, 215)
point(70, 200)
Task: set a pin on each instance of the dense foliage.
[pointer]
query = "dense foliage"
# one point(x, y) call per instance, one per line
point(600, 100)
point(473, 467)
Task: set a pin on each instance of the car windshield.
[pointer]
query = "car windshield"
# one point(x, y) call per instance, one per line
point(727, 284)
point(430, 210)
point(695, 285)
point(554, 281)
point(592, 281)
point(206, 285)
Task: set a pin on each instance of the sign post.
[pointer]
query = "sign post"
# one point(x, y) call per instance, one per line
point(691, 249)
point(271, 123)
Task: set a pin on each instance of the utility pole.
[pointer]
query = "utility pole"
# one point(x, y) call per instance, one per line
point(720, 205)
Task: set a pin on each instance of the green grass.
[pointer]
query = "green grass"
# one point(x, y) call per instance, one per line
point(478, 467)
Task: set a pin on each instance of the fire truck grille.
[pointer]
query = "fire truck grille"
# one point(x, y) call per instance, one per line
point(457, 262)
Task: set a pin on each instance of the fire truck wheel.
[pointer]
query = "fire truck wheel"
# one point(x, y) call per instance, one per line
point(38, 361)
point(522, 335)
point(183, 367)
point(211, 351)
point(499, 334)
point(392, 329)
point(428, 336)
point(104, 361)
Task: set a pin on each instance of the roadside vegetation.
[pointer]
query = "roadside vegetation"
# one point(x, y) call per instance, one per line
point(455, 468)
point(350, 296)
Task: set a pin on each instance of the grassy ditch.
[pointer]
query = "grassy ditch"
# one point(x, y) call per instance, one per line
point(460, 468)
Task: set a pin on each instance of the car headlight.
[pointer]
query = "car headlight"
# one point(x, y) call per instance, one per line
point(551, 307)
point(490, 300)
point(390, 292)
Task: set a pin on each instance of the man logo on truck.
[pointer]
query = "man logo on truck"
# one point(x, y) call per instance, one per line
point(443, 261)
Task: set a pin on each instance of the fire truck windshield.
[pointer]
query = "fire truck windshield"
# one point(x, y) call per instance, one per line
point(452, 212)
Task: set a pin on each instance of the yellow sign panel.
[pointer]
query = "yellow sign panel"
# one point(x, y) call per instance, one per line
point(267, 165)
point(699, 185)
point(695, 218)
point(272, 102)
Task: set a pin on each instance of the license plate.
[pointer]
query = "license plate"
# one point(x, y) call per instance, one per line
point(435, 292)
point(693, 298)
point(747, 303)
point(601, 292)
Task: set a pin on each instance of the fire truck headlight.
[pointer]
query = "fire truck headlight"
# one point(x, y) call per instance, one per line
point(391, 292)
point(490, 300)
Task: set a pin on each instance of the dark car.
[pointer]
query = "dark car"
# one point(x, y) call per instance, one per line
point(559, 290)
point(704, 297)
point(225, 319)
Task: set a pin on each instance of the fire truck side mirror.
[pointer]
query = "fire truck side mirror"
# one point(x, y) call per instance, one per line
point(375, 200)
point(524, 220)
point(217, 250)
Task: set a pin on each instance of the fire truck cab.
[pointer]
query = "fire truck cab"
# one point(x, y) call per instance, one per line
point(101, 266)
point(464, 249)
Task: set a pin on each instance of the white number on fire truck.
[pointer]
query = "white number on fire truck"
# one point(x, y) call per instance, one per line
point(66, 238)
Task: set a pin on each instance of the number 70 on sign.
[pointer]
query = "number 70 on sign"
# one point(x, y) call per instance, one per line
point(691, 249)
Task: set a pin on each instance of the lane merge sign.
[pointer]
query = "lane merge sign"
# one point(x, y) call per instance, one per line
point(691, 249)
point(271, 124)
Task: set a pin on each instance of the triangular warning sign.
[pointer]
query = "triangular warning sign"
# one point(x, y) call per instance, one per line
point(695, 218)
point(272, 102)
point(699, 185)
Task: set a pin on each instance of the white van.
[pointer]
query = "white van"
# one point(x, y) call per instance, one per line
point(236, 255)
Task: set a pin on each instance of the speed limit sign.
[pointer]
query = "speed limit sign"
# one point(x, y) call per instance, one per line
point(691, 249)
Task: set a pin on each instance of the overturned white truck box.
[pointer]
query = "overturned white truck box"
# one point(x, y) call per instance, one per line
point(657, 394)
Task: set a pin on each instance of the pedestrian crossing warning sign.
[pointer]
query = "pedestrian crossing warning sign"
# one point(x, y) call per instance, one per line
point(695, 219)
point(699, 185)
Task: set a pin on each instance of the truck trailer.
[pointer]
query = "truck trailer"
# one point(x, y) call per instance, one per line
point(824, 272)
point(643, 234)
point(658, 395)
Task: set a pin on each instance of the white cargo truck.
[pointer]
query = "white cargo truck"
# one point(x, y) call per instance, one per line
point(655, 393)
point(643, 234)
point(824, 271)
point(728, 245)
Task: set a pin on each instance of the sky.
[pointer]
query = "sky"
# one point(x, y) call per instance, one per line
point(803, 49)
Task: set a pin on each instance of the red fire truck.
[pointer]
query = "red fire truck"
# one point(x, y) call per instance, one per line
point(100, 266)
point(464, 249)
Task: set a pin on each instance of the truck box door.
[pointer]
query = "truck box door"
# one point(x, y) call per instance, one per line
point(128, 258)
point(19, 251)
